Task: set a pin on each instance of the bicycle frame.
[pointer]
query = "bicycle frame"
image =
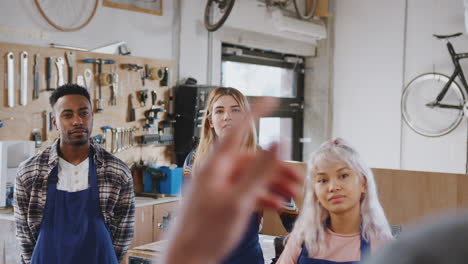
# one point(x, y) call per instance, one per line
point(456, 57)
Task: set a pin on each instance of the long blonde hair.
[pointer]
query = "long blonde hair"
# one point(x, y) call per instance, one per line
point(208, 135)
point(312, 223)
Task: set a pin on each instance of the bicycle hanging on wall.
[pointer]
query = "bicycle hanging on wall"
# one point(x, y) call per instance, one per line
point(433, 104)
point(217, 11)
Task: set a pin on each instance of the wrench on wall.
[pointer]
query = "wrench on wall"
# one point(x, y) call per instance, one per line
point(36, 77)
point(11, 78)
point(59, 62)
point(24, 78)
point(71, 64)
point(88, 77)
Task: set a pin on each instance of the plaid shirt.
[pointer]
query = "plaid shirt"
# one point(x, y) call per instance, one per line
point(288, 214)
point(115, 194)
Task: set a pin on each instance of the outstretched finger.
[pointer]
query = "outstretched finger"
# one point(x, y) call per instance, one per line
point(235, 137)
point(259, 172)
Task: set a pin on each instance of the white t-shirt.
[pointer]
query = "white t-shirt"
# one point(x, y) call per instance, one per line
point(73, 178)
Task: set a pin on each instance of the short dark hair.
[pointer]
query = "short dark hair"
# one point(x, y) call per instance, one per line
point(67, 89)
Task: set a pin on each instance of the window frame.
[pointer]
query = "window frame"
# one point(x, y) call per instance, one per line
point(288, 107)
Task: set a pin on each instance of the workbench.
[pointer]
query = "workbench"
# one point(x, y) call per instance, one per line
point(152, 253)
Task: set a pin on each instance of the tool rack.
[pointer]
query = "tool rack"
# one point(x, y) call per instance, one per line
point(19, 121)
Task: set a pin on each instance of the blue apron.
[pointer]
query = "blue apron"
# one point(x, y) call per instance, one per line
point(304, 257)
point(249, 250)
point(72, 228)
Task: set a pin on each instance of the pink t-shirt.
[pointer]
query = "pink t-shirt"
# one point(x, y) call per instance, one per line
point(339, 248)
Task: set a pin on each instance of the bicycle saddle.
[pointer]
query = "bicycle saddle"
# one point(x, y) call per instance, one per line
point(448, 36)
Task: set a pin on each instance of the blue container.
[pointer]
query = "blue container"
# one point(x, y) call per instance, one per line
point(172, 183)
point(149, 185)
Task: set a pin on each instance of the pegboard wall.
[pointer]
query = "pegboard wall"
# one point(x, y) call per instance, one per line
point(19, 121)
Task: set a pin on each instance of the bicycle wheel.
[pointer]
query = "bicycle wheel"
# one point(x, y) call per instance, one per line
point(427, 120)
point(216, 13)
point(304, 3)
point(67, 15)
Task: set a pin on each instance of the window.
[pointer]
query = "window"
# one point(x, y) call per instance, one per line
point(259, 80)
point(258, 73)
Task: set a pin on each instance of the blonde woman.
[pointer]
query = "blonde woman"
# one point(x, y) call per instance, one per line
point(225, 108)
point(342, 218)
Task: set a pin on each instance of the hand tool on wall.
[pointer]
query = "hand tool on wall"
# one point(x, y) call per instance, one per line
point(123, 139)
point(143, 77)
point(59, 62)
point(135, 68)
point(130, 110)
point(132, 137)
point(114, 86)
point(105, 140)
point(147, 72)
point(166, 127)
point(152, 114)
point(99, 63)
point(124, 50)
point(127, 140)
point(156, 74)
point(11, 78)
point(80, 80)
point(36, 77)
point(142, 96)
point(154, 97)
point(131, 67)
point(164, 80)
point(45, 124)
point(116, 144)
point(51, 124)
point(162, 103)
point(71, 63)
point(24, 78)
point(49, 73)
point(37, 137)
point(106, 79)
point(118, 140)
point(88, 77)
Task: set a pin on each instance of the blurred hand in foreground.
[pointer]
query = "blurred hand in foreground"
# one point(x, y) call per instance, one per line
point(224, 192)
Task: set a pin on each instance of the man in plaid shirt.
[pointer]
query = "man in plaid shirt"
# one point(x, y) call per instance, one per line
point(74, 201)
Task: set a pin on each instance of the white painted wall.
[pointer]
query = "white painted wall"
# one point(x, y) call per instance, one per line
point(177, 35)
point(248, 25)
point(424, 53)
point(147, 35)
point(368, 77)
point(377, 52)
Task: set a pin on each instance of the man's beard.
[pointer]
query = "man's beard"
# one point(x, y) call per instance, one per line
point(81, 142)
